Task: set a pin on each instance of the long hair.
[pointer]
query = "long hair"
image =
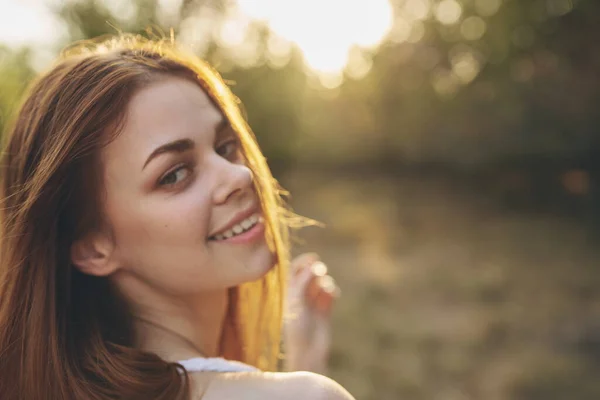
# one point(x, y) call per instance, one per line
point(67, 335)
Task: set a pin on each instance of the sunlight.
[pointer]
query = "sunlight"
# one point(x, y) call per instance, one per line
point(41, 27)
point(325, 30)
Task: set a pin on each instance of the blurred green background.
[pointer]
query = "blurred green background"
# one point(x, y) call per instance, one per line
point(450, 147)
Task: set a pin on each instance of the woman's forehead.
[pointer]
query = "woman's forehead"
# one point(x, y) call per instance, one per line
point(170, 101)
point(171, 109)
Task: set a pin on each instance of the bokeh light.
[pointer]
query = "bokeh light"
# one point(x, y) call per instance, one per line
point(559, 7)
point(417, 9)
point(325, 31)
point(42, 28)
point(465, 65)
point(473, 28)
point(448, 12)
point(487, 8)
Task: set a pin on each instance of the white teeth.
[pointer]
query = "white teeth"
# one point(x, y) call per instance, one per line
point(246, 223)
point(239, 228)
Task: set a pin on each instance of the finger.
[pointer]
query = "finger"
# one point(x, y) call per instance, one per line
point(303, 278)
point(303, 261)
point(324, 303)
point(317, 271)
point(327, 283)
point(321, 287)
point(313, 288)
point(322, 337)
point(305, 275)
point(303, 287)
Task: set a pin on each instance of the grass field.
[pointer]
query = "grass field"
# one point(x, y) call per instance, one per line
point(447, 295)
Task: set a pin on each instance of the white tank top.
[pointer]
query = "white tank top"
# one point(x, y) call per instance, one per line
point(215, 364)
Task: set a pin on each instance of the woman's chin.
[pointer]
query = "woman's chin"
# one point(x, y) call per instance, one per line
point(262, 263)
point(247, 266)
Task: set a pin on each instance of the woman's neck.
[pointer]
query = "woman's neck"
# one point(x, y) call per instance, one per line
point(181, 329)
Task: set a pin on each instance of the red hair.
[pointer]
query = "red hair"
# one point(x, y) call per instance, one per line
point(67, 335)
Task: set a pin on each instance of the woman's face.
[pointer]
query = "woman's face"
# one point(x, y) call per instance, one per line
point(179, 198)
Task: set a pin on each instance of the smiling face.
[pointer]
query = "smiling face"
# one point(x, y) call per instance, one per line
point(179, 199)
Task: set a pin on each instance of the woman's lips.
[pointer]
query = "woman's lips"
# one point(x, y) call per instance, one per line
point(238, 218)
point(254, 233)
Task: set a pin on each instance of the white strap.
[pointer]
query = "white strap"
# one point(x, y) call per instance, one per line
point(215, 364)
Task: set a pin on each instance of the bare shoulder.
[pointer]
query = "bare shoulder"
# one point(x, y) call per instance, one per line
point(267, 386)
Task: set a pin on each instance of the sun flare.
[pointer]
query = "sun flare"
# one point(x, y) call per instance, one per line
point(325, 30)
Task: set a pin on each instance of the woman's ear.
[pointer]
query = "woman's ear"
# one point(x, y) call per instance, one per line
point(94, 255)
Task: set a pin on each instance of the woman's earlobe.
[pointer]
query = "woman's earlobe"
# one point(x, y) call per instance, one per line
point(93, 255)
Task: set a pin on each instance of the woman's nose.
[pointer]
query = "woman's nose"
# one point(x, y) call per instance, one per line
point(232, 179)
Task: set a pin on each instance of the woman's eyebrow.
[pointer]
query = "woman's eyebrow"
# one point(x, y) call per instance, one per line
point(182, 145)
point(222, 126)
point(176, 146)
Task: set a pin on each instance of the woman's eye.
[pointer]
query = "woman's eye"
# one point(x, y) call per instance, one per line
point(228, 149)
point(174, 177)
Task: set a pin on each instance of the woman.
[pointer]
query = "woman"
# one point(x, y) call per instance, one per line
point(144, 240)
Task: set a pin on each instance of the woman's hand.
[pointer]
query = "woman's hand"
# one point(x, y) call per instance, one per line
point(307, 327)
